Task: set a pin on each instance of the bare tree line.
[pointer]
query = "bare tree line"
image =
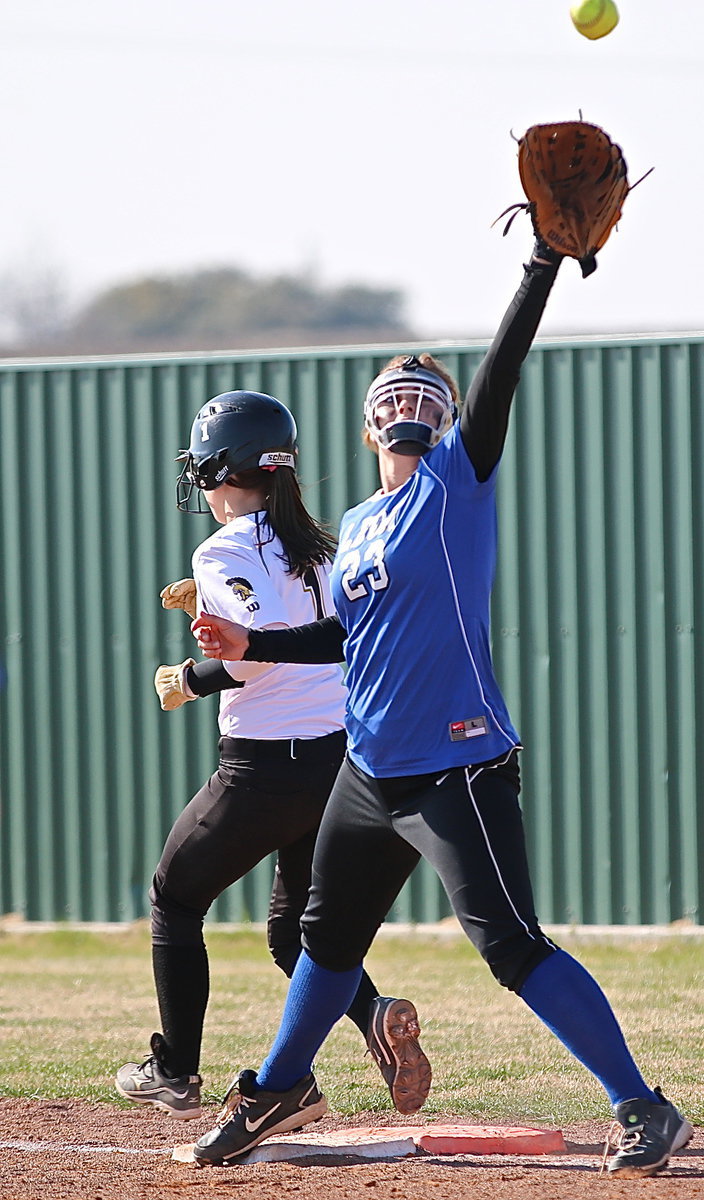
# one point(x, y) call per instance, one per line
point(216, 308)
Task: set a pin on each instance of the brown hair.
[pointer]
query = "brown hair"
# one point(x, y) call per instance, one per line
point(431, 364)
point(306, 542)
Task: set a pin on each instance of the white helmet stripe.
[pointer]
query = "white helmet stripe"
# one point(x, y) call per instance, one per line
point(277, 458)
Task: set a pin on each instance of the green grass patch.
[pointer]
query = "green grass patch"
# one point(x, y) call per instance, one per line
point(75, 1005)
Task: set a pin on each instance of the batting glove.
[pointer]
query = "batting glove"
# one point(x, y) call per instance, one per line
point(171, 687)
point(181, 594)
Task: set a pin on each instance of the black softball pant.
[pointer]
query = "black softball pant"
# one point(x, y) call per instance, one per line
point(266, 796)
point(466, 822)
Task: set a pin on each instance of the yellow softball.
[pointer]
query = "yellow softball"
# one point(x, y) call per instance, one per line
point(594, 18)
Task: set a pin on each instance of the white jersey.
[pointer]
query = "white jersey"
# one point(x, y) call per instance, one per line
point(238, 578)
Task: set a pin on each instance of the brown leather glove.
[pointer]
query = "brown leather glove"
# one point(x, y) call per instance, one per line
point(576, 182)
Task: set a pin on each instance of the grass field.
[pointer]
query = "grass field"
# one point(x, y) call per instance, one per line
point(76, 1005)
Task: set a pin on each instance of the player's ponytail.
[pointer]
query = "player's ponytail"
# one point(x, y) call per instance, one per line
point(306, 542)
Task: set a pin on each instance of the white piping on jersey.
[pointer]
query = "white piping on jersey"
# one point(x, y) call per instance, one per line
point(456, 601)
point(499, 876)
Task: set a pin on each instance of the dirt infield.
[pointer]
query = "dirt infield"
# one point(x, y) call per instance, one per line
point(71, 1150)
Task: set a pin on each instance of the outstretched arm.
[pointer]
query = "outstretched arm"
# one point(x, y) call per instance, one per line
point(319, 642)
point(484, 419)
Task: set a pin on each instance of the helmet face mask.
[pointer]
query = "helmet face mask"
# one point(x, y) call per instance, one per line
point(409, 409)
point(232, 433)
point(204, 475)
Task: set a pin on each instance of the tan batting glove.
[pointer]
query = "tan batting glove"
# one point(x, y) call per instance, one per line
point(181, 594)
point(170, 685)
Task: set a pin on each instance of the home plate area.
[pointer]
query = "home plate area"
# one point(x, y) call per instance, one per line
point(397, 1142)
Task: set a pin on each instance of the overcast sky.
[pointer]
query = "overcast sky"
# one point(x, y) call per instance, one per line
point(367, 142)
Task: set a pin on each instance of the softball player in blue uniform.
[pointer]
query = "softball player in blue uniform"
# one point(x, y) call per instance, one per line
point(432, 761)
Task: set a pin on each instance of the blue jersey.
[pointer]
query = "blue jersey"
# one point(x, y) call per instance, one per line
point(411, 584)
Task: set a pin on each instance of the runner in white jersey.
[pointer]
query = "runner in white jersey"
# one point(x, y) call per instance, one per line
point(282, 741)
point(239, 573)
point(432, 766)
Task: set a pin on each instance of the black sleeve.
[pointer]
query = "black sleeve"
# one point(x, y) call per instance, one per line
point(319, 642)
point(210, 676)
point(484, 418)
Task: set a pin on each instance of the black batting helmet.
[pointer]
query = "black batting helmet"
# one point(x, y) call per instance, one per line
point(234, 432)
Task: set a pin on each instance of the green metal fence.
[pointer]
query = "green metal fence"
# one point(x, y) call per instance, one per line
point(598, 601)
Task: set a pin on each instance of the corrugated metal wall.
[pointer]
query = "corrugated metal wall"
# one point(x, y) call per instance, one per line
point(599, 596)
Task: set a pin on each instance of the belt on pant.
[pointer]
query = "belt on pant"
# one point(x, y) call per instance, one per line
point(299, 749)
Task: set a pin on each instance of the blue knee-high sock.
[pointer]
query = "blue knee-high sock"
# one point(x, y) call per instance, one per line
point(572, 1005)
point(316, 999)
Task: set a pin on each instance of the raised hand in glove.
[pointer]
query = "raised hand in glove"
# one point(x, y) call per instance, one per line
point(576, 182)
point(171, 687)
point(181, 594)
